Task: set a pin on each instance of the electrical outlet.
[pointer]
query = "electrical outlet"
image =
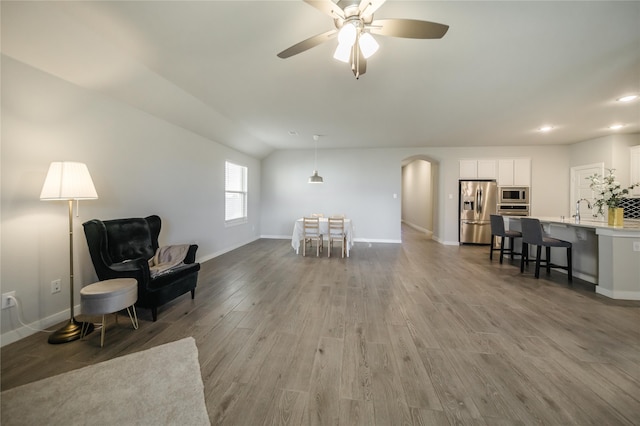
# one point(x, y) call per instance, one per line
point(636, 246)
point(55, 286)
point(6, 301)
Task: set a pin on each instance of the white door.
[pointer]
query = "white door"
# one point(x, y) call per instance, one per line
point(580, 189)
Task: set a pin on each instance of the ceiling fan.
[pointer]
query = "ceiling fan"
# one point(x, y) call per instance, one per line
point(354, 25)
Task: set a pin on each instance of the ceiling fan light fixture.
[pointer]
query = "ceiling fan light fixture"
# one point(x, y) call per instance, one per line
point(368, 45)
point(347, 34)
point(342, 53)
point(354, 26)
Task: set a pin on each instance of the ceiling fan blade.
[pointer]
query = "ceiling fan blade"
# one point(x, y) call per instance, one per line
point(307, 44)
point(408, 28)
point(368, 7)
point(328, 7)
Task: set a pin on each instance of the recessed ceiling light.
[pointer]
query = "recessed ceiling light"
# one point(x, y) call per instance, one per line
point(545, 128)
point(628, 98)
point(616, 126)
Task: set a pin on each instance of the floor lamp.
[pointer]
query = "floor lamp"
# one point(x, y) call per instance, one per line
point(69, 181)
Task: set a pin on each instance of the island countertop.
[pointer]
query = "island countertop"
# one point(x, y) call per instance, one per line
point(608, 256)
point(632, 225)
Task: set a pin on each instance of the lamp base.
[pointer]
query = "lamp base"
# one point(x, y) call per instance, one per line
point(70, 332)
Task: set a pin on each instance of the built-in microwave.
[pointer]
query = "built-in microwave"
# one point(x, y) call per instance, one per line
point(514, 195)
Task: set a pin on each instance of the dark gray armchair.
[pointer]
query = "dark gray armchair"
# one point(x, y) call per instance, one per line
point(121, 248)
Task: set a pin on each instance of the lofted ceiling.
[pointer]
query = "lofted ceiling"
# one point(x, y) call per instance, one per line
point(502, 70)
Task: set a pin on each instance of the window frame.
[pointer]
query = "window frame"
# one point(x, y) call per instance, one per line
point(244, 193)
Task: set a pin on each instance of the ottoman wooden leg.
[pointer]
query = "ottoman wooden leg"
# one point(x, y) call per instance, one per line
point(85, 329)
point(134, 318)
point(104, 327)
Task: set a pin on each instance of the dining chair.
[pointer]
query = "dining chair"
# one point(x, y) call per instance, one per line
point(310, 233)
point(318, 215)
point(336, 233)
point(497, 230)
point(532, 234)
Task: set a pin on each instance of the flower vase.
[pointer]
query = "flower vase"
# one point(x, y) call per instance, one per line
point(616, 216)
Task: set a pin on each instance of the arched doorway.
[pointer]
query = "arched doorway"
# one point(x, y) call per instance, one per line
point(419, 183)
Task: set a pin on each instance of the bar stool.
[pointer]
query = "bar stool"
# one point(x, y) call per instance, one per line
point(497, 230)
point(107, 297)
point(532, 234)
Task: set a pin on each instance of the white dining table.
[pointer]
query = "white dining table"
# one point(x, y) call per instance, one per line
point(324, 230)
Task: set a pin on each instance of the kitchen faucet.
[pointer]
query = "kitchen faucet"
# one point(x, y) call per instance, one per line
point(577, 215)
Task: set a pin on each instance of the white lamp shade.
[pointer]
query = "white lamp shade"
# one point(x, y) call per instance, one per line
point(68, 181)
point(368, 45)
point(347, 34)
point(342, 53)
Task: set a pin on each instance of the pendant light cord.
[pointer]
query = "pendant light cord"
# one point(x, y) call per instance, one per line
point(315, 161)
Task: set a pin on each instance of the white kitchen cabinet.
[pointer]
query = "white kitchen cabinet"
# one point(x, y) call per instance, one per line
point(505, 172)
point(522, 171)
point(468, 169)
point(478, 169)
point(487, 169)
point(514, 172)
point(635, 168)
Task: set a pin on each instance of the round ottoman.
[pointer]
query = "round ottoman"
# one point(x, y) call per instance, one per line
point(107, 297)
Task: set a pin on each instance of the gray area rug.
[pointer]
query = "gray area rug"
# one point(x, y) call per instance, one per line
point(159, 386)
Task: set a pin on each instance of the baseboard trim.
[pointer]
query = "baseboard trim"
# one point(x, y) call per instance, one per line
point(444, 242)
point(23, 331)
point(418, 227)
point(622, 295)
point(202, 259)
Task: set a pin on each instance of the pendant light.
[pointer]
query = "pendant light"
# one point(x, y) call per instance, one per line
point(315, 178)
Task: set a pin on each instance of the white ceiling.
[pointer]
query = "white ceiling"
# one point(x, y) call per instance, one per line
point(502, 70)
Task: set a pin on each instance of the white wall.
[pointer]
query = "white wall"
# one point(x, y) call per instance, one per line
point(612, 150)
point(358, 183)
point(361, 183)
point(140, 166)
point(417, 205)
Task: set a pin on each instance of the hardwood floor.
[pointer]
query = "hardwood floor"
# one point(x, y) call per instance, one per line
point(418, 333)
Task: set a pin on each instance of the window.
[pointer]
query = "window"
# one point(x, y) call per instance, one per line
point(235, 186)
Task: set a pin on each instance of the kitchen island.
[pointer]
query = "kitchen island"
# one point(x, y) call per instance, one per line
point(604, 255)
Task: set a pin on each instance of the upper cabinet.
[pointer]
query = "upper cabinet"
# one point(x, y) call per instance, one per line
point(468, 169)
point(514, 172)
point(487, 169)
point(478, 169)
point(635, 168)
point(508, 172)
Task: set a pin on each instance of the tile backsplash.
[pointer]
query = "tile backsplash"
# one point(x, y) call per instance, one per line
point(631, 208)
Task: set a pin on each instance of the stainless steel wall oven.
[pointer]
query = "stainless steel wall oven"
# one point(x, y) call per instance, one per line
point(513, 209)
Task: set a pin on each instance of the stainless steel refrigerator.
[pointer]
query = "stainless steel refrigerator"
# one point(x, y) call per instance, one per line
point(478, 200)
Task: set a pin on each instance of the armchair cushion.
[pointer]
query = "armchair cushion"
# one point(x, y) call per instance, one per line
point(122, 248)
point(129, 239)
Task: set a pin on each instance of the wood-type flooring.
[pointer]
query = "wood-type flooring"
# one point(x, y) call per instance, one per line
point(398, 334)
